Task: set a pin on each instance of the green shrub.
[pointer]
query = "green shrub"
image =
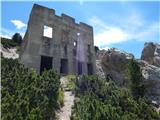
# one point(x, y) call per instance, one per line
point(14, 42)
point(100, 100)
point(71, 82)
point(135, 77)
point(8, 43)
point(61, 97)
point(27, 95)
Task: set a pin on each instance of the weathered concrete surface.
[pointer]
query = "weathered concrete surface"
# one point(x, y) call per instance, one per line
point(70, 41)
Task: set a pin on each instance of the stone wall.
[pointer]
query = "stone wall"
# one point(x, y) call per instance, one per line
point(70, 41)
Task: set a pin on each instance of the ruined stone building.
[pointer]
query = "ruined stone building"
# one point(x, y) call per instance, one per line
point(57, 42)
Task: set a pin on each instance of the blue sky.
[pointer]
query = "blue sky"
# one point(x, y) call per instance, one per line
point(123, 25)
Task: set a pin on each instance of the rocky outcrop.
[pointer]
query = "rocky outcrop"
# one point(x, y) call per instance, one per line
point(151, 53)
point(151, 79)
point(100, 54)
point(99, 70)
point(114, 63)
point(150, 67)
point(9, 52)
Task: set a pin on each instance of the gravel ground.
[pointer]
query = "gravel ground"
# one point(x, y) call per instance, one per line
point(65, 112)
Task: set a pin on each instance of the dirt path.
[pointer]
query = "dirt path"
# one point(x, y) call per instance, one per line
point(65, 111)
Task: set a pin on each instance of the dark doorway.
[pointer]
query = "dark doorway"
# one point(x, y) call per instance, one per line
point(46, 63)
point(90, 69)
point(80, 65)
point(64, 66)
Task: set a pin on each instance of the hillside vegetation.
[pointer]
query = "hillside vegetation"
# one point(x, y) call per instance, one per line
point(27, 95)
point(15, 41)
point(100, 100)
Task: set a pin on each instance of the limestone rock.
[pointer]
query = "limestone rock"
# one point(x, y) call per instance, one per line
point(114, 63)
point(151, 79)
point(99, 70)
point(9, 52)
point(100, 54)
point(151, 53)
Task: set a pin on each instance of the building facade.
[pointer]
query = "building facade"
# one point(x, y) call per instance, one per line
point(57, 42)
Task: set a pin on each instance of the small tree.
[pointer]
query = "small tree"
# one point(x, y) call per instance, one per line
point(17, 38)
point(135, 77)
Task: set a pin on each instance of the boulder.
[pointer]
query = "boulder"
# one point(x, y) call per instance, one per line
point(9, 52)
point(114, 64)
point(99, 70)
point(151, 79)
point(151, 53)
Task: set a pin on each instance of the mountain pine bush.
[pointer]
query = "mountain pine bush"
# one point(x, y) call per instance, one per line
point(27, 95)
point(100, 100)
point(135, 77)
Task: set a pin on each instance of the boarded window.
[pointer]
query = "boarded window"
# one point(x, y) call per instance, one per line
point(47, 31)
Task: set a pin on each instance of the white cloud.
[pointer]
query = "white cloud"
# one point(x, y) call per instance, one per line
point(6, 33)
point(5, 36)
point(110, 36)
point(9, 33)
point(135, 29)
point(106, 34)
point(105, 48)
point(19, 24)
point(148, 33)
point(135, 19)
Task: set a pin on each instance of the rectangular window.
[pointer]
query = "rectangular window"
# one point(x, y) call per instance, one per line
point(47, 31)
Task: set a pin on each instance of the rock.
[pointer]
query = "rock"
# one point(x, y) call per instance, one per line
point(9, 52)
point(151, 53)
point(99, 70)
point(151, 79)
point(100, 54)
point(150, 67)
point(114, 63)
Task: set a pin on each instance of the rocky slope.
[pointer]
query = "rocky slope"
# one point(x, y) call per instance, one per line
point(9, 52)
point(114, 67)
point(114, 63)
point(151, 79)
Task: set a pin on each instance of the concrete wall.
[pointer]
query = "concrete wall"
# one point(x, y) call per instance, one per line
point(61, 45)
